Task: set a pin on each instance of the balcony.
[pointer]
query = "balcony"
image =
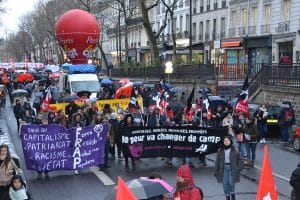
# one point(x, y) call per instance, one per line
point(200, 37)
point(252, 30)
point(223, 4)
point(283, 27)
point(194, 10)
point(242, 30)
point(214, 35)
point(201, 9)
point(206, 36)
point(222, 35)
point(208, 7)
point(265, 28)
point(179, 35)
point(186, 34)
point(231, 32)
point(193, 38)
point(215, 6)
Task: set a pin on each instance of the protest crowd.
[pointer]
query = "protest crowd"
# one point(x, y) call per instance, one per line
point(158, 107)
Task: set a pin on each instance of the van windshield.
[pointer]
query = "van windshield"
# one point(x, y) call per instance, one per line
point(91, 86)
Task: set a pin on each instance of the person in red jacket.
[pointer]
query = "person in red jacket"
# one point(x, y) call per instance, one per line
point(185, 186)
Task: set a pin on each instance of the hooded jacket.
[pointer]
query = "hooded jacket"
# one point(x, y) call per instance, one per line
point(191, 192)
point(18, 194)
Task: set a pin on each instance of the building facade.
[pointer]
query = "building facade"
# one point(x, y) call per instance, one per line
point(238, 34)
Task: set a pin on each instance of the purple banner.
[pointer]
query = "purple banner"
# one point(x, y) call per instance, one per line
point(52, 147)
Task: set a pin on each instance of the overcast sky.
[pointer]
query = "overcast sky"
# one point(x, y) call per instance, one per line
point(14, 10)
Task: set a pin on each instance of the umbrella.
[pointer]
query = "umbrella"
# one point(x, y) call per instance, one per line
point(178, 89)
point(138, 83)
point(68, 99)
point(125, 90)
point(24, 78)
point(168, 85)
point(145, 189)
point(54, 75)
point(161, 181)
point(19, 92)
point(106, 81)
point(124, 81)
point(28, 87)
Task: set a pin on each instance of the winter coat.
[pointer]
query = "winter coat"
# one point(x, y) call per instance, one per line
point(5, 172)
point(261, 114)
point(281, 117)
point(236, 165)
point(191, 192)
point(18, 194)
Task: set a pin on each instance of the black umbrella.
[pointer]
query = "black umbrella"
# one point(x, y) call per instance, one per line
point(68, 99)
point(19, 93)
point(144, 189)
point(28, 87)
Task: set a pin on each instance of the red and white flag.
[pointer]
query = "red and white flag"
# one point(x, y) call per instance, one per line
point(242, 104)
point(47, 101)
point(266, 187)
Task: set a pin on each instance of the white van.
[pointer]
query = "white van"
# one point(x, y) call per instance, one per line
point(81, 82)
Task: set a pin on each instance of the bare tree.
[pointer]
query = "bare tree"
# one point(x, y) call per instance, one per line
point(171, 7)
point(152, 35)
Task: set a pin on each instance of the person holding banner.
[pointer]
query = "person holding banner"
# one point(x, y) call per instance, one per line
point(228, 166)
point(7, 168)
point(128, 122)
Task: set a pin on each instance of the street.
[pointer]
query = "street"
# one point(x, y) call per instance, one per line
point(93, 184)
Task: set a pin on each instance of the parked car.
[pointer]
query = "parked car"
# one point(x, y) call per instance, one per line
point(296, 139)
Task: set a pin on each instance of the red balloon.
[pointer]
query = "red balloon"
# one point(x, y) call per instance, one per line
point(77, 32)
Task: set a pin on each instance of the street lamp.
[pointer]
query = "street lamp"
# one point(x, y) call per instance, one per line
point(90, 61)
point(169, 69)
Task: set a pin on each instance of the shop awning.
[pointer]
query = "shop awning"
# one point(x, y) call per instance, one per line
point(228, 44)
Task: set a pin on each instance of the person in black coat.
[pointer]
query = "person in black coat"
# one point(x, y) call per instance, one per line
point(295, 183)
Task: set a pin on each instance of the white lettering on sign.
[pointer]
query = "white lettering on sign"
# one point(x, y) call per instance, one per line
point(91, 40)
point(76, 154)
point(66, 41)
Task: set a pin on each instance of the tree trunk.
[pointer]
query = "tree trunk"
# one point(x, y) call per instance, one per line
point(103, 56)
point(149, 32)
point(174, 58)
point(126, 43)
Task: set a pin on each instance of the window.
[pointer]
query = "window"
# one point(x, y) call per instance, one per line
point(201, 31)
point(201, 6)
point(180, 23)
point(286, 10)
point(187, 23)
point(267, 14)
point(175, 23)
point(233, 19)
point(222, 28)
point(158, 8)
point(158, 26)
point(207, 5)
point(194, 32)
point(207, 30)
point(244, 18)
point(254, 16)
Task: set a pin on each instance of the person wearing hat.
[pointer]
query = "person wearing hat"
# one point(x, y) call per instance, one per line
point(228, 166)
point(185, 185)
point(17, 190)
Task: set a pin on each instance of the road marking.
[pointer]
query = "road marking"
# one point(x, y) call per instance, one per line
point(102, 176)
point(275, 174)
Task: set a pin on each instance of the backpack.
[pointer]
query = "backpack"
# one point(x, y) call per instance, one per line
point(200, 190)
point(288, 116)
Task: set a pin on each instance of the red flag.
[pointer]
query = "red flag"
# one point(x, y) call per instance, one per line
point(266, 187)
point(46, 101)
point(123, 192)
